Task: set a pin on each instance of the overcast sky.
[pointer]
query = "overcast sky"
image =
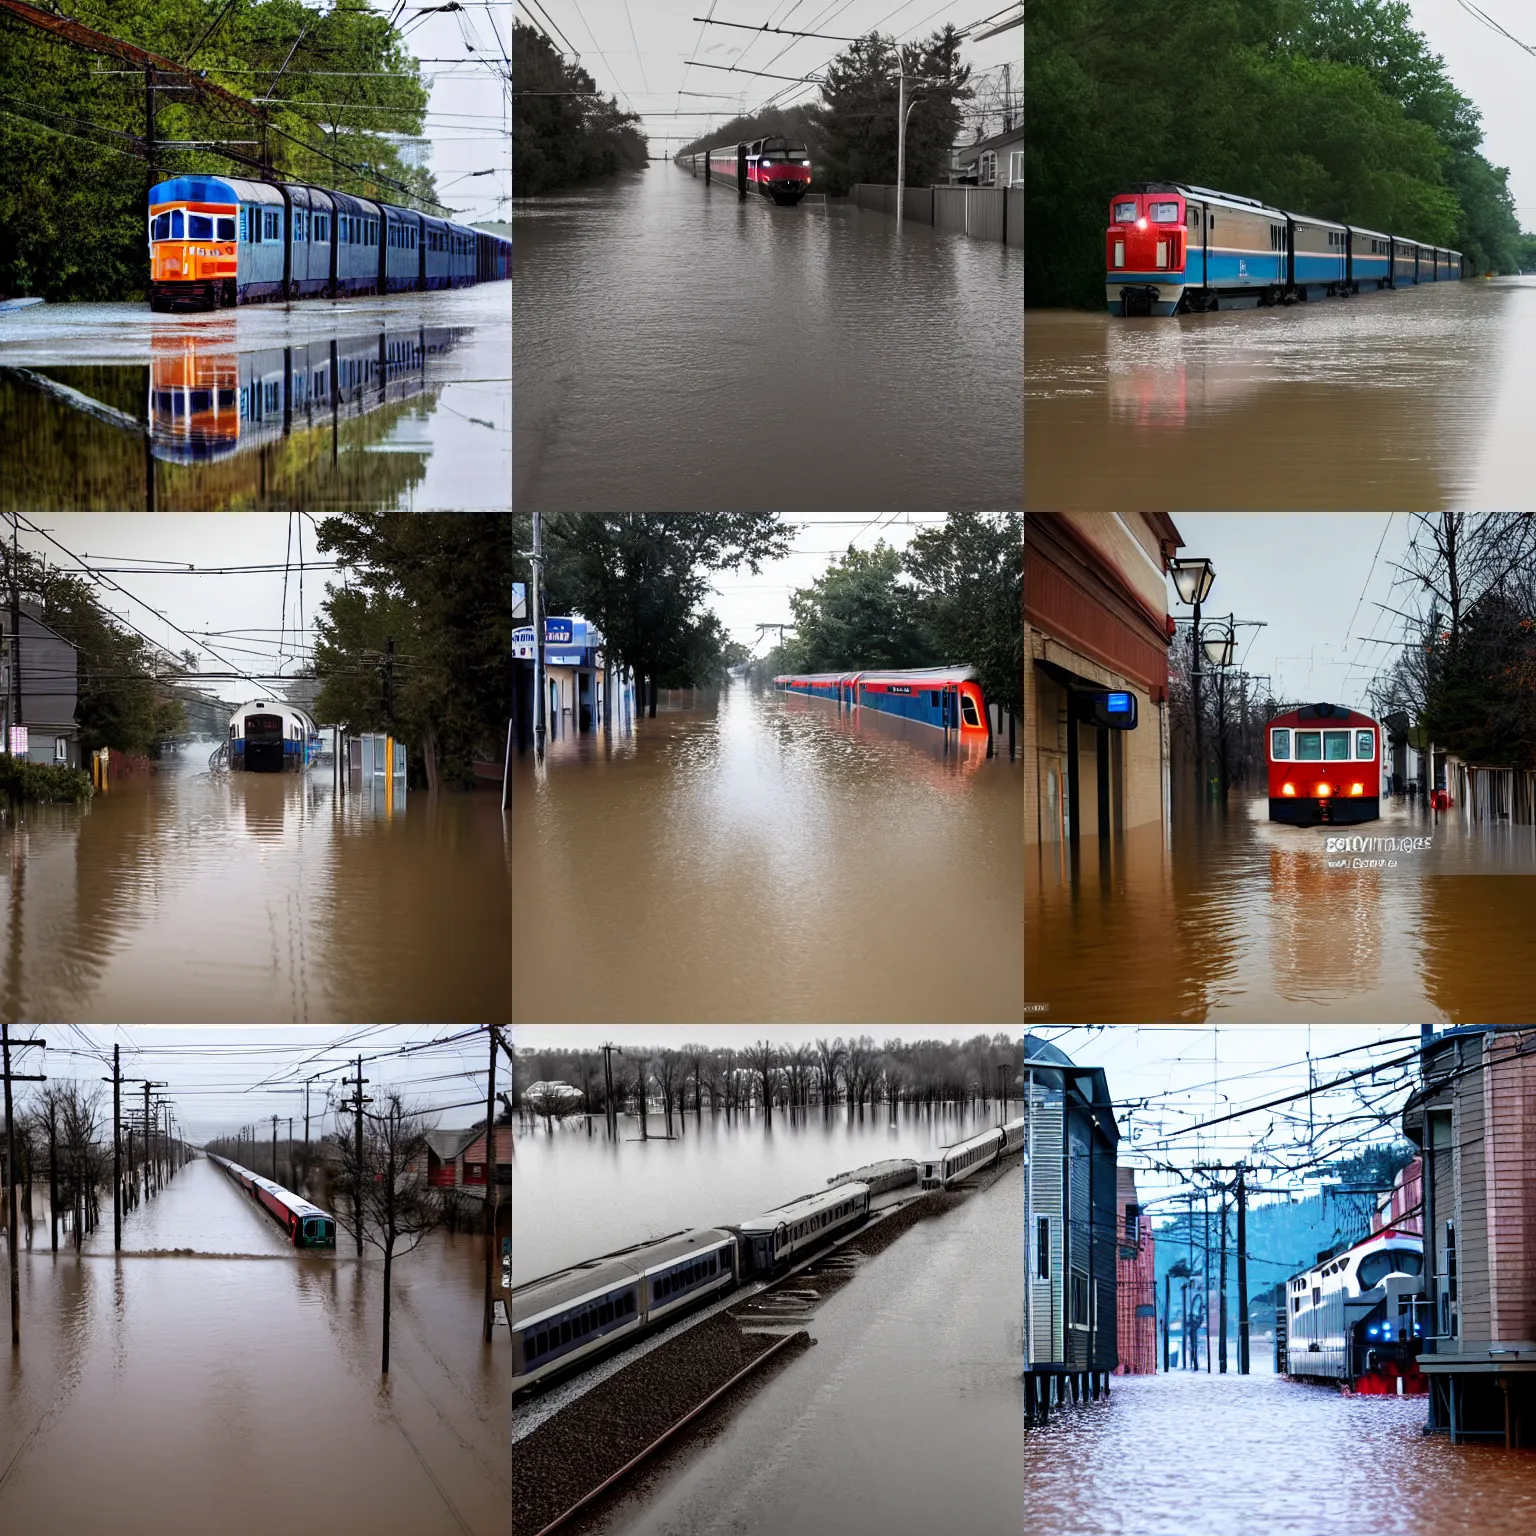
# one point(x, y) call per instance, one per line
point(1314, 579)
point(1499, 77)
point(639, 50)
point(221, 1077)
point(239, 615)
point(1166, 1079)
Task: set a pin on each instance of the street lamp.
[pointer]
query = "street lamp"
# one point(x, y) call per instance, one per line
point(1192, 578)
point(1219, 642)
point(904, 111)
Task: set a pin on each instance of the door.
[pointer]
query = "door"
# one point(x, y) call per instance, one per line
point(264, 743)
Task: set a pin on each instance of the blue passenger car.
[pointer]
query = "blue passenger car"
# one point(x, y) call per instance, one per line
point(402, 248)
point(309, 240)
point(1370, 259)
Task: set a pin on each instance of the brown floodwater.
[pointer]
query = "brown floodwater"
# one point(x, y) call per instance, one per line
point(237, 1389)
point(1412, 399)
point(186, 896)
point(763, 859)
point(1237, 919)
point(1213, 1455)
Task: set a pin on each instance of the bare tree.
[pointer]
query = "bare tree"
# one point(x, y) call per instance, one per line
point(763, 1058)
point(669, 1070)
point(396, 1206)
point(829, 1060)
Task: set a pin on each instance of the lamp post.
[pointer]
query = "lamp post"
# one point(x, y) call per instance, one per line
point(903, 111)
point(538, 638)
point(1192, 580)
point(1219, 644)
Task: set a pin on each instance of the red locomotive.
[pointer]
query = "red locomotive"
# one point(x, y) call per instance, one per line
point(1324, 766)
point(777, 167)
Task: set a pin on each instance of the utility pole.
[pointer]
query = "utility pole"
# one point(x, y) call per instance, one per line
point(357, 1193)
point(902, 112)
point(1167, 1285)
point(133, 1200)
point(274, 1149)
point(149, 1142)
point(1242, 1274)
point(16, 719)
point(10, 1173)
point(538, 637)
point(117, 1152)
point(491, 1191)
point(290, 1152)
point(1223, 1281)
point(609, 1113)
point(1205, 1299)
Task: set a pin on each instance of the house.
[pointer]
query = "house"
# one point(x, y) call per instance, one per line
point(456, 1159)
point(997, 161)
point(1135, 1282)
point(1473, 1118)
point(41, 724)
point(582, 692)
point(1096, 639)
point(1071, 1227)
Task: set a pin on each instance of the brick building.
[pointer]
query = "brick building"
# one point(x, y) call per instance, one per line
point(1095, 620)
point(1474, 1120)
point(1135, 1283)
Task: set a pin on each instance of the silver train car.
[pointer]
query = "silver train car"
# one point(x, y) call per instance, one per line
point(964, 1160)
point(774, 1236)
point(1353, 1318)
point(266, 736)
point(569, 1318)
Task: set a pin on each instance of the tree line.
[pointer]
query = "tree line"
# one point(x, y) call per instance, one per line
point(1336, 108)
point(73, 179)
point(856, 1073)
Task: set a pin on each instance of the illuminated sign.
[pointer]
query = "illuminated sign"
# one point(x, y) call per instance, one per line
point(1114, 711)
point(558, 632)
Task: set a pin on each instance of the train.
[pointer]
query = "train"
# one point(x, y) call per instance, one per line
point(219, 241)
point(307, 1225)
point(954, 1165)
point(1356, 1317)
point(1173, 248)
point(1324, 766)
point(944, 697)
point(270, 737)
point(777, 167)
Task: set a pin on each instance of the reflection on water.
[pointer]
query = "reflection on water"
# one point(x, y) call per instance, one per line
point(1412, 399)
point(192, 1382)
point(577, 1194)
point(391, 402)
point(766, 859)
point(1288, 1459)
point(209, 401)
point(186, 896)
point(1239, 919)
point(677, 348)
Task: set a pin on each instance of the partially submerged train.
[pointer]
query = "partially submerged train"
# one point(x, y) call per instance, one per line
point(219, 241)
point(569, 1318)
point(307, 1225)
point(947, 698)
point(266, 736)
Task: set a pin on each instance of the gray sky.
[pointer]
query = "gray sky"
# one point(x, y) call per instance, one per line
point(734, 1036)
point(240, 615)
point(1498, 76)
point(1314, 579)
point(639, 50)
point(743, 601)
point(220, 1077)
point(1164, 1079)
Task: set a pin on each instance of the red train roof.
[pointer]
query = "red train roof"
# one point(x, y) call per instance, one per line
point(1323, 716)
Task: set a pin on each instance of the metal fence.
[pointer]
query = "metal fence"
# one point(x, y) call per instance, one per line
point(1493, 794)
point(984, 213)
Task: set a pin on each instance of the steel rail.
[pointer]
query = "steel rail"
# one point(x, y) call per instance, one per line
point(667, 1434)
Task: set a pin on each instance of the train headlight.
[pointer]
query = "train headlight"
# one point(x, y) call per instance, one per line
point(1323, 791)
point(1141, 223)
point(1289, 790)
point(1357, 789)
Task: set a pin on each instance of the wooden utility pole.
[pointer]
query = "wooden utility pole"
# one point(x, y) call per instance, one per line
point(117, 1152)
point(357, 1193)
point(1242, 1273)
point(1223, 1344)
point(274, 1149)
point(490, 1186)
point(10, 1171)
point(290, 1152)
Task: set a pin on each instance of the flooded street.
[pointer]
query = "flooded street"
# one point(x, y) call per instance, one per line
point(1417, 398)
point(397, 402)
point(236, 1387)
point(1209, 1455)
point(1241, 920)
point(718, 1169)
point(678, 348)
point(187, 895)
point(761, 858)
point(906, 1417)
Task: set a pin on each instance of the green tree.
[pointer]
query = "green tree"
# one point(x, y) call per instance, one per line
point(970, 573)
point(438, 585)
point(859, 616)
point(642, 578)
point(563, 132)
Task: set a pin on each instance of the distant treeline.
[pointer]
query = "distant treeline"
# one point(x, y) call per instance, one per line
point(1335, 108)
point(822, 1073)
point(563, 132)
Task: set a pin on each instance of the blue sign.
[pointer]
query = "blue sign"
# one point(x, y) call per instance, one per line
point(558, 632)
point(1119, 703)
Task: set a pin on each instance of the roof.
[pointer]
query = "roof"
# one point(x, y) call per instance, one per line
point(213, 189)
point(474, 1151)
point(448, 1144)
point(923, 675)
point(806, 1205)
point(1014, 135)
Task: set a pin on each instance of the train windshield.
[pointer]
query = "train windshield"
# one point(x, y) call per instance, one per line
point(968, 711)
point(1336, 746)
point(782, 149)
point(1375, 1267)
point(1280, 745)
point(1365, 745)
point(1309, 746)
point(1164, 213)
point(1125, 213)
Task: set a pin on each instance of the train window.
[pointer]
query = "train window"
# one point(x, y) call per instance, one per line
point(1336, 746)
point(1163, 213)
point(176, 224)
point(968, 711)
point(1125, 213)
point(1309, 746)
point(1365, 745)
point(1280, 745)
point(160, 227)
point(227, 228)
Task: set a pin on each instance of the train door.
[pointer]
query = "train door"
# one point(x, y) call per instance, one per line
point(264, 743)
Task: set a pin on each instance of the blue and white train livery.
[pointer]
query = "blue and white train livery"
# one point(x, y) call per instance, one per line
point(267, 736)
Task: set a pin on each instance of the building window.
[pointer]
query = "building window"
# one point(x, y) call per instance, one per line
point(1016, 168)
point(61, 749)
point(1079, 1318)
point(986, 168)
point(1133, 1223)
point(1043, 1248)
